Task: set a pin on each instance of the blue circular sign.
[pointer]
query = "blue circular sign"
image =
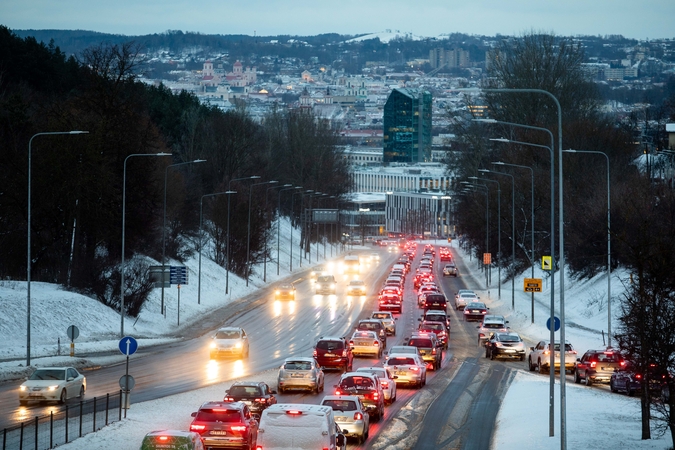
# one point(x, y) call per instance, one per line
point(128, 345)
point(556, 323)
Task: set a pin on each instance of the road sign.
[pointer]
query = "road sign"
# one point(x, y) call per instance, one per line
point(532, 284)
point(556, 323)
point(487, 258)
point(546, 263)
point(128, 345)
point(127, 382)
point(178, 275)
point(73, 332)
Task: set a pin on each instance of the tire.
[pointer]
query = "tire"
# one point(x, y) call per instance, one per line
point(588, 380)
point(612, 387)
point(63, 397)
point(492, 356)
point(540, 367)
point(577, 378)
point(522, 358)
point(487, 354)
point(529, 364)
point(361, 439)
point(629, 391)
point(81, 392)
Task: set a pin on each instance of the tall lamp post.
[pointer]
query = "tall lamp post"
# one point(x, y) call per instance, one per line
point(28, 224)
point(302, 225)
point(500, 163)
point(609, 247)
point(279, 222)
point(124, 200)
point(499, 233)
point(199, 276)
point(166, 172)
point(513, 231)
point(227, 256)
point(248, 233)
point(265, 255)
point(487, 223)
point(308, 248)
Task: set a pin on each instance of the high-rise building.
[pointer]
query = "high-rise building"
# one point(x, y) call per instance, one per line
point(407, 126)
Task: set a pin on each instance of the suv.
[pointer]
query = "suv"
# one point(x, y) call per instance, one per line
point(325, 284)
point(438, 328)
point(437, 316)
point(375, 325)
point(491, 324)
point(540, 355)
point(429, 347)
point(333, 352)
point(367, 387)
point(435, 301)
point(597, 366)
point(225, 425)
point(257, 395)
point(158, 440)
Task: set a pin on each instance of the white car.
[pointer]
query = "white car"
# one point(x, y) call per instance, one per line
point(408, 368)
point(366, 343)
point(229, 341)
point(387, 319)
point(387, 381)
point(356, 288)
point(350, 415)
point(52, 384)
point(463, 297)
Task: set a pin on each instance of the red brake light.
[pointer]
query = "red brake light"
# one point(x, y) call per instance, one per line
point(414, 368)
point(228, 399)
point(375, 396)
point(294, 412)
point(344, 352)
point(622, 363)
point(337, 393)
point(315, 353)
point(385, 384)
point(593, 364)
point(238, 428)
point(376, 343)
point(433, 352)
point(638, 376)
point(358, 416)
point(163, 438)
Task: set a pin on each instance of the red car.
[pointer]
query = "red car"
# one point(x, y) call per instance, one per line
point(333, 353)
point(390, 302)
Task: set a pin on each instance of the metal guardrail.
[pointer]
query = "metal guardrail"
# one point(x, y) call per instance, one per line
point(66, 425)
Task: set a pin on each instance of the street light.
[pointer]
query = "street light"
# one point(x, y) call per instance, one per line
point(199, 276)
point(124, 202)
point(513, 232)
point(248, 237)
point(265, 252)
point(500, 163)
point(302, 226)
point(308, 246)
point(166, 172)
point(28, 223)
point(279, 222)
point(227, 253)
point(499, 233)
point(609, 248)
point(487, 224)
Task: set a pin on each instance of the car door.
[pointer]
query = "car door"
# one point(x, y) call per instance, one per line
point(73, 386)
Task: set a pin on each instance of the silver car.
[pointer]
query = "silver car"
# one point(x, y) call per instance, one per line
point(229, 341)
point(463, 297)
point(52, 384)
point(387, 380)
point(366, 343)
point(300, 373)
point(387, 319)
point(409, 369)
point(350, 415)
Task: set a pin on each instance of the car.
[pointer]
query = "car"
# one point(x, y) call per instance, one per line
point(225, 425)
point(505, 345)
point(444, 254)
point(333, 352)
point(229, 341)
point(475, 311)
point(435, 315)
point(390, 301)
point(350, 415)
point(491, 324)
point(366, 343)
point(404, 349)
point(367, 387)
point(317, 272)
point(387, 380)
point(299, 426)
point(300, 373)
point(463, 297)
point(356, 288)
point(375, 325)
point(374, 256)
point(450, 269)
point(408, 368)
point(597, 366)
point(257, 395)
point(178, 439)
point(539, 357)
point(395, 280)
point(429, 347)
point(325, 284)
point(285, 291)
point(387, 319)
point(435, 301)
point(630, 380)
point(52, 384)
point(438, 328)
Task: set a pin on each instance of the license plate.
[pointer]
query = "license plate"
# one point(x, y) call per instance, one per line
point(509, 351)
point(218, 433)
point(35, 394)
point(329, 355)
point(401, 372)
point(297, 375)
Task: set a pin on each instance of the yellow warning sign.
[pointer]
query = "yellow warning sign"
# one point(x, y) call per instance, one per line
point(532, 284)
point(546, 263)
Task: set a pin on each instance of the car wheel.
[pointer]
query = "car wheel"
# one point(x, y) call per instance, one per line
point(612, 387)
point(81, 392)
point(588, 380)
point(540, 367)
point(629, 391)
point(522, 358)
point(361, 439)
point(64, 397)
point(280, 389)
point(321, 387)
point(529, 364)
point(492, 356)
point(577, 378)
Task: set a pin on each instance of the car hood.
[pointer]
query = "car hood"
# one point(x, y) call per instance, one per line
point(42, 383)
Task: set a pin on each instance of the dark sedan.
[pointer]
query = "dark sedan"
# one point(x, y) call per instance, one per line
point(475, 311)
point(254, 394)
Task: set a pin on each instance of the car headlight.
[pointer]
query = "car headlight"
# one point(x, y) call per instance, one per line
point(53, 388)
point(213, 345)
point(22, 388)
point(332, 285)
point(276, 292)
point(239, 345)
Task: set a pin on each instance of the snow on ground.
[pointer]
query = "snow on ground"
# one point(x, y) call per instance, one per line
point(595, 418)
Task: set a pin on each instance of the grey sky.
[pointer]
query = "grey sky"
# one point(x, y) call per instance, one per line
point(646, 19)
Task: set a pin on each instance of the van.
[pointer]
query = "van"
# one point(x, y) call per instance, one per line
point(300, 425)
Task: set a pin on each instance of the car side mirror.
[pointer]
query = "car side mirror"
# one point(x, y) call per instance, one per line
point(506, 321)
point(478, 327)
point(340, 440)
point(578, 359)
point(194, 414)
point(227, 392)
point(532, 349)
point(273, 392)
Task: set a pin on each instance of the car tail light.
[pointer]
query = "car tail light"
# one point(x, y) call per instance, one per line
point(228, 399)
point(546, 352)
point(376, 343)
point(163, 438)
point(415, 368)
point(358, 416)
point(294, 412)
point(238, 428)
point(623, 363)
point(376, 396)
point(593, 364)
point(197, 428)
point(344, 352)
point(337, 393)
point(351, 343)
point(260, 400)
point(385, 384)
point(433, 351)
point(315, 353)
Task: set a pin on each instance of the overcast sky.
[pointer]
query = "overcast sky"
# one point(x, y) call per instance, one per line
point(646, 19)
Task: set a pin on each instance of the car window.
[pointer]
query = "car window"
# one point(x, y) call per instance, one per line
point(324, 279)
point(369, 326)
point(556, 347)
point(48, 374)
point(218, 415)
point(420, 342)
point(298, 365)
point(340, 405)
point(400, 361)
point(227, 334)
point(509, 338)
point(357, 382)
point(381, 316)
point(493, 325)
point(608, 357)
point(72, 373)
point(329, 345)
point(363, 334)
point(244, 391)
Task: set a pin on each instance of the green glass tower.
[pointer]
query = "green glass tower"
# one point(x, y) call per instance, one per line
point(407, 126)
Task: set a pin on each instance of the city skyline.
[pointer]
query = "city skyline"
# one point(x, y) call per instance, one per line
point(646, 20)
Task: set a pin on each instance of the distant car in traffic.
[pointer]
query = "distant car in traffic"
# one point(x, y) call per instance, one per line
point(225, 425)
point(450, 269)
point(367, 387)
point(325, 284)
point(409, 369)
point(350, 415)
point(387, 380)
point(356, 288)
point(229, 341)
point(332, 352)
point(597, 366)
point(178, 439)
point(387, 319)
point(300, 373)
point(491, 324)
point(366, 343)
point(285, 291)
point(539, 357)
point(475, 311)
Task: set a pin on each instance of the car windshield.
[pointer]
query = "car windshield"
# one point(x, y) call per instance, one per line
point(363, 334)
point(49, 374)
point(509, 338)
point(244, 391)
point(435, 317)
point(369, 326)
point(340, 405)
point(298, 365)
point(377, 372)
point(218, 415)
point(325, 279)
point(355, 382)
point(420, 342)
point(381, 316)
point(475, 305)
point(286, 286)
point(227, 334)
point(433, 326)
point(329, 345)
point(400, 361)
point(403, 349)
point(356, 283)
point(568, 347)
point(608, 357)
point(493, 325)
